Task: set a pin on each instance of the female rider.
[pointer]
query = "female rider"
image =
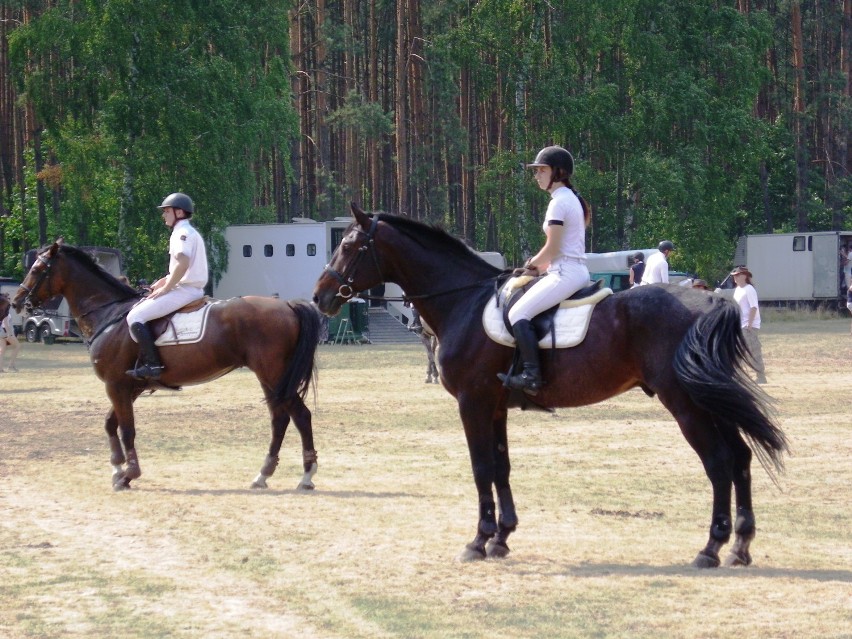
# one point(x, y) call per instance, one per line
point(563, 257)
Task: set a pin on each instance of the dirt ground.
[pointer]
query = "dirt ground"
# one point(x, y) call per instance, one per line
point(613, 507)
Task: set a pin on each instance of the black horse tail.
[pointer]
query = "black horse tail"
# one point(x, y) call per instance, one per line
point(302, 369)
point(710, 365)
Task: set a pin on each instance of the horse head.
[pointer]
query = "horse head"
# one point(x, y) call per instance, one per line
point(354, 266)
point(41, 282)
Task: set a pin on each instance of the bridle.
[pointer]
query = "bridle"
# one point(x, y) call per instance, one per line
point(346, 291)
point(44, 276)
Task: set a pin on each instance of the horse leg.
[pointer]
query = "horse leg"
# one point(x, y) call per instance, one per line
point(498, 547)
point(116, 458)
point(430, 364)
point(719, 468)
point(480, 442)
point(744, 526)
point(281, 413)
point(717, 457)
point(121, 430)
point(301, 415)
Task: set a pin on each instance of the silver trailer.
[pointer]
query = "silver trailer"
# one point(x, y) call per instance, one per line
point(790, 268)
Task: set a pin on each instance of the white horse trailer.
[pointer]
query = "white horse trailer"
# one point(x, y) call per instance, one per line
point(279, 260)
point(789, 268)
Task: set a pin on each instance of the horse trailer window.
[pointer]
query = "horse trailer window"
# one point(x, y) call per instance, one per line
point(246, 250)
point(291, 250)
point(798, 242)
point(312, 249)
point(267, 250)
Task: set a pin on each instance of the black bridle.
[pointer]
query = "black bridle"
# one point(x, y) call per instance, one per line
point(346, 290)
point(43, 276)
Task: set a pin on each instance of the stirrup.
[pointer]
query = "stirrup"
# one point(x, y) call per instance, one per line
point(146, 372)
point(523, 381)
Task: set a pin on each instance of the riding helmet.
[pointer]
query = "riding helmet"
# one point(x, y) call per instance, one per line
point(554, 157)
point(179, 201)
point(665, 245)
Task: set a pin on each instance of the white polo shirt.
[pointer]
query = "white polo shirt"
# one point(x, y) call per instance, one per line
point(185, 240)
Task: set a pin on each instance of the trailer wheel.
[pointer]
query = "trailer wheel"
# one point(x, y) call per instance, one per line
point(31, 333)
point(46, 336)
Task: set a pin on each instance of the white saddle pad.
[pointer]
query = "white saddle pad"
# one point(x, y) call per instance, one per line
point(186, 328)
point(571, 321)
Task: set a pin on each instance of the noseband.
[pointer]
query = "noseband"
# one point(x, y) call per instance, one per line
point(346, 291)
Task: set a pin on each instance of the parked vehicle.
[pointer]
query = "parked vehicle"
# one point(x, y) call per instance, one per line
point(797, 268)
point(53, 320)
point(279, 260)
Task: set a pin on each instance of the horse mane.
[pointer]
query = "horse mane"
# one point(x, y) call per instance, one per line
point(88, 262)
point(434, 238)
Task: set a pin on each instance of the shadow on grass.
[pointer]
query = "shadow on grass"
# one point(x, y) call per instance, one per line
point(593, 570)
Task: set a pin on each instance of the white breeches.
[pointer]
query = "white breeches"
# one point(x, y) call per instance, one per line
point(558, 284)
point(149, 309)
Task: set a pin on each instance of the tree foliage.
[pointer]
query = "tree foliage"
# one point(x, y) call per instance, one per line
point(692, 120)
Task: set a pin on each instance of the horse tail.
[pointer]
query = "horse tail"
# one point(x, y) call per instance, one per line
point(710, 365)
point(302, 369)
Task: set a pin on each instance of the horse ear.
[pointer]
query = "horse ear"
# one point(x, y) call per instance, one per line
point(362, 218)
point(55, 247)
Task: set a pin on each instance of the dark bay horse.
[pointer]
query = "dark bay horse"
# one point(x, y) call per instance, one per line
point(682, 345)
point(277, 340)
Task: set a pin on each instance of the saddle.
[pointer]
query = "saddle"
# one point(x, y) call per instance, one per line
point(561, 326)
point(185, 325)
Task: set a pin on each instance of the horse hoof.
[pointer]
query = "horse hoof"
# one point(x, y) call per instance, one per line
point(302, 487)
point(120, 484)
point(735, 560)
point(497, 550)
point(471, 554)
point(705, 561)
point(258, 486)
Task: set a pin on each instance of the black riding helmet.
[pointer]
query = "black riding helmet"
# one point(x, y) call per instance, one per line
point(179, 201)
point(555, 157)
point(665, 245)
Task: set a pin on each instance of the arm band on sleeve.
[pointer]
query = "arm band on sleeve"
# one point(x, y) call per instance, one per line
point(555, 223)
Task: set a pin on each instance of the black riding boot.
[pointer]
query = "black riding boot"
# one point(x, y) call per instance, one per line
point(529, 379)
point(151, 366)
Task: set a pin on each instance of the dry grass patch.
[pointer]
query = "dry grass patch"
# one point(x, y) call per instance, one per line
point(613, 505)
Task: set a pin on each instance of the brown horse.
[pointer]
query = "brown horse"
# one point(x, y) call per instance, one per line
point(277, 340)
point(682, 345)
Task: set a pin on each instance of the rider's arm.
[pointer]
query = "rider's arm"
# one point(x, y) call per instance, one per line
point(551, 249)
point(171, 281)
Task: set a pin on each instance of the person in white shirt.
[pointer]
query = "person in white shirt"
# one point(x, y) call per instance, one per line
point(562, 259)
point(184, 284)
point(745, 296)
point(657, 265)
point(9, 344)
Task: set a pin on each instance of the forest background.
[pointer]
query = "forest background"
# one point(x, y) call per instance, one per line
point(690, 120)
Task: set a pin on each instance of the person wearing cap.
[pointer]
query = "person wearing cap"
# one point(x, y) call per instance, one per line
point(657, 266)
point(745, 296)
point(184, 284)
point(562, 260)
point(700, 284)
point(637, 269)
